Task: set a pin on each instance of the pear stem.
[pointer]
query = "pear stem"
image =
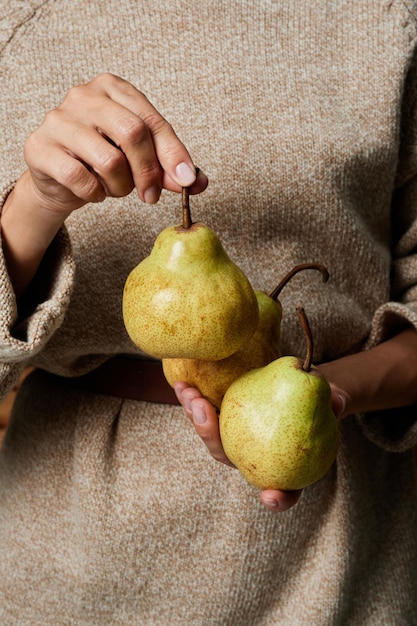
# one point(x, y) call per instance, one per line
point(308, 336)
point(298, 268)
point(187, 222)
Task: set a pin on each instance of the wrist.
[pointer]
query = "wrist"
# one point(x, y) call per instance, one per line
point(27, 229)
point(383, 377)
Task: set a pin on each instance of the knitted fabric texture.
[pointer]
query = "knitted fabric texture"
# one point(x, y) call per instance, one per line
point(304, 117)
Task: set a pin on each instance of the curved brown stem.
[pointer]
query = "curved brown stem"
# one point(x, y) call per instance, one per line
point(298, 268)
point(308, 336)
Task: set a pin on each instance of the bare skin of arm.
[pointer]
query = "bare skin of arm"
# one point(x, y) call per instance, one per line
point(105, 139)
point(383, 377)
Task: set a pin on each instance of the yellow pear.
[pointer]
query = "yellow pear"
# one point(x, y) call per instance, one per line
point(213, 378)
point(188, 299)
point(277, 424)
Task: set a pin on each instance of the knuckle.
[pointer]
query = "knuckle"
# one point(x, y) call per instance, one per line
point(210, 440)
point(84, 91)
point(205, 436)
point(75, 95)
point(75, 176)
point(53, 118)
point(122, 190)
point(35, 146)
point(219, 457)
point(170, 151)
point(157, 123)
point(202, 432)
point(149, 171)
point(104, 77)
point(133, 130)
point(111, 162)
point(105, 80)
point(72, 173)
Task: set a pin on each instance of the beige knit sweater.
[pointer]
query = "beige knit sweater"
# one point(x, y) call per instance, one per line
point(304, 116)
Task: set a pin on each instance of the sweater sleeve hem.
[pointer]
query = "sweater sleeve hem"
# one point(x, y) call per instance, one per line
point(394, 430)
point(25, 329)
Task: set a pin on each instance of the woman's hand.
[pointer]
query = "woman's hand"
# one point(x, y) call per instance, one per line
point(105, 139)
point(205, 419)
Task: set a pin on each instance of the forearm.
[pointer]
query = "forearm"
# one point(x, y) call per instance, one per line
point(27, 230)
point(380, 378)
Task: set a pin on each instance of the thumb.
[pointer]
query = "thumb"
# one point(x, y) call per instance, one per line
point(341, 401)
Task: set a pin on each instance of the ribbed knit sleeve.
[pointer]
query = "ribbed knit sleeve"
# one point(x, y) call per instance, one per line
point(25, 329)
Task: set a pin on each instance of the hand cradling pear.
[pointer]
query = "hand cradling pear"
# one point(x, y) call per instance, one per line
point(277, 424)
point(187, 299)
point(213, 378)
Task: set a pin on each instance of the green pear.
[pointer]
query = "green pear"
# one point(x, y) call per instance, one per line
point(188, 299)
point(277, 425)
point(213, 378)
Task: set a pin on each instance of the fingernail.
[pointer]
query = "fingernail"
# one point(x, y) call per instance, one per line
point(151, 195)
point(271, 504)
point(187, 407)
point(199, 414)
point(186, 175)
point(343, 403)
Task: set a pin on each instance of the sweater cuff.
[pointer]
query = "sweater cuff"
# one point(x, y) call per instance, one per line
point(27, 327)
point(394, 430)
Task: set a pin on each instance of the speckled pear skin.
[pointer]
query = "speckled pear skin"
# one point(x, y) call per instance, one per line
point(187, 299)
point(213, 378)
point(277, 425)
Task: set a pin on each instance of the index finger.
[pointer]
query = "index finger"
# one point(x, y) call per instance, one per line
point(155, 153)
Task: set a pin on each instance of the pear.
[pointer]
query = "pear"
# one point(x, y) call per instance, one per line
point(213, 378)
point(188, 299)
point(277, 425)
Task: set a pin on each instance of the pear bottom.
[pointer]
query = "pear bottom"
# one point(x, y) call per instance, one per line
point(268, 473)
point(211, 378)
